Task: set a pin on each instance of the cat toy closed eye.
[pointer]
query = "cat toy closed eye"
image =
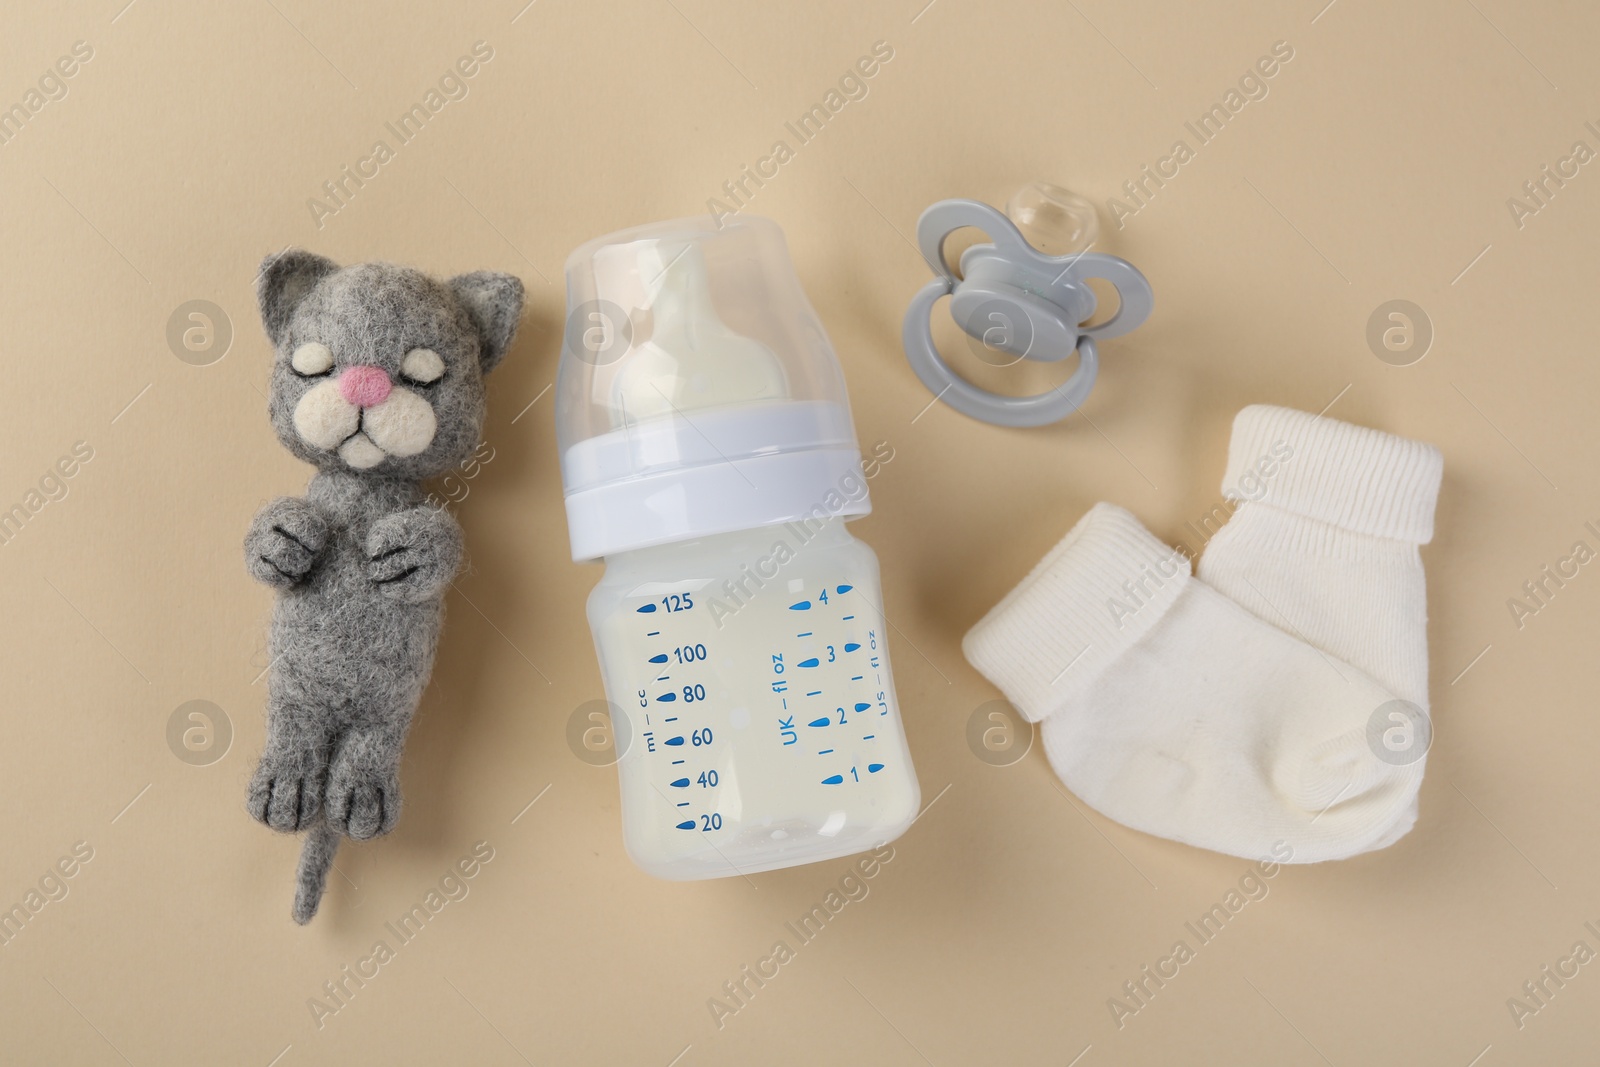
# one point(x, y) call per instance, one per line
point(1021, 303)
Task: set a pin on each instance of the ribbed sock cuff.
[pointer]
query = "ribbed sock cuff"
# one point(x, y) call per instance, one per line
point(1356, 478)
point(1102, 588)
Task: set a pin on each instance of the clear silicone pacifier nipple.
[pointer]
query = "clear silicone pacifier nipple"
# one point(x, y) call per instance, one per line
point(1056, 221)
point(690, 359)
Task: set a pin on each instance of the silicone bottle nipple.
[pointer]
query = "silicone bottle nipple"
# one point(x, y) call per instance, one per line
point(691, 359)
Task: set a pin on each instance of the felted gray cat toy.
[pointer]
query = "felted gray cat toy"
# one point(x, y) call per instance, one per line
point(377, 381)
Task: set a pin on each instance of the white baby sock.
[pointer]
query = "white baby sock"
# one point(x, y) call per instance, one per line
point(1324, 541)
point(1171, 709)
point(1324, 546)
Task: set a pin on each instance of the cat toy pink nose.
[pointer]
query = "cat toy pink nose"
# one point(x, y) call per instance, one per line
point(364, 385)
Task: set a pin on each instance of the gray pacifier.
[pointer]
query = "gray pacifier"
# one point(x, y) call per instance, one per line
point(1019, 302)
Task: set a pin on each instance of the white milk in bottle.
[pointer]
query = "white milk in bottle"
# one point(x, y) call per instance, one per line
point(708, 456)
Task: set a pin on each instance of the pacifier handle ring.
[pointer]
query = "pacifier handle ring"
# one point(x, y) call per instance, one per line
point(1020, 411)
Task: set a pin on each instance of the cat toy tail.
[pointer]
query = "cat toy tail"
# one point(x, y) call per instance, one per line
point(322, 841)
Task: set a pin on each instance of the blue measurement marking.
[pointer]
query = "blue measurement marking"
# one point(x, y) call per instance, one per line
point(645, 609)
point(823, 721)
point(667, 698)
point(868, 737)
point(833, 779)
point(683, 803)
point(673, 718)
point(675, 740)
point(863, 707)
point(659, 659)
point(653, 633)
point(874, 768)
point(844, 588)
point(806, 634)
point(812, 662)
point(814, 693)
point(681, 783)
point(804, 605)
point(855, 677)
point(676, 762)
point(851, 646)
point(689, 825)
point(847, 618)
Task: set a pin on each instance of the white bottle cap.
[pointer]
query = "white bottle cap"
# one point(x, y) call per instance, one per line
point(697, 392)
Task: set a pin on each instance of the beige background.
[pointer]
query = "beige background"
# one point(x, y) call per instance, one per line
point(1378, 168)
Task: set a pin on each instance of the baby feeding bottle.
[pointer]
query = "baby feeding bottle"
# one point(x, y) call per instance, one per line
point(708, 456)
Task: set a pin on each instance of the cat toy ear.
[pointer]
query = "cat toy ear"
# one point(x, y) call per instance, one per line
point(284, 281)
point(494, 301)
